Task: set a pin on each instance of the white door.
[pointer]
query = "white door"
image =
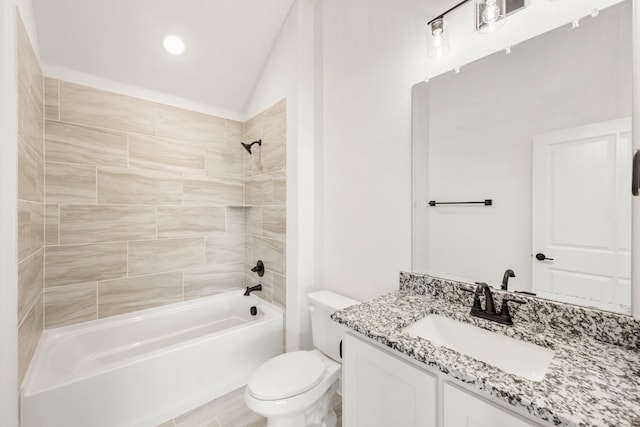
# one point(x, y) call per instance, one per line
point(582, 215)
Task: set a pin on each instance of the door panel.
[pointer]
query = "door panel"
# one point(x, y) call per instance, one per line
point(581, 215)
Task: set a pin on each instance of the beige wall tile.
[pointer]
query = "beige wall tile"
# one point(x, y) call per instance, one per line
point(68, 265)
point(70, 183)
point(184, 124)
point(212, 280)
point(138, 187)
point(274, 222)
point(271, 252)
point(212, 191)
point(28, 67)
point(30, 282)
point(93, 107)
point(32, 124)
point(234, 131)
point(28, 335)
point(279, 188)
point(225, 162)
point(24, 229)
point(68, 143)
point(158, 256)
point(51, 99)
point(280, 291)
point(271, 157)
point(253, 221)
point(30, 174)
point(188, 221)
point(92, 224)
point(51, 220)
point(235, 220)
point(253, 129)
point(37, 226)
point(259, 190)
point(137, 293)
point(68, 305)
point(224, 249)
point(163, 154)
point(30, 228)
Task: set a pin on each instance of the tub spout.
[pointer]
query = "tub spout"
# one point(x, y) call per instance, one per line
point(257, 287)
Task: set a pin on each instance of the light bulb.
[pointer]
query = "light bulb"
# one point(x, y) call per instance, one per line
point(438, 39)
point(491, 12)
point(490, 15)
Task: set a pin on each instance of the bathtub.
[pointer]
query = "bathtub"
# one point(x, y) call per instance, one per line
point(142, 368)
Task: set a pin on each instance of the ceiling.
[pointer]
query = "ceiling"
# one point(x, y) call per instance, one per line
point(227, 43)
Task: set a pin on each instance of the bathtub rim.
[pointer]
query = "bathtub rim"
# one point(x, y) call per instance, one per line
point(271, 313)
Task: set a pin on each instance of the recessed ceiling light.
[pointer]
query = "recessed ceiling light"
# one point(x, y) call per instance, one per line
point(173, 44)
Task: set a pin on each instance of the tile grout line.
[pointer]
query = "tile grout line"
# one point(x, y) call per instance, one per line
point(59, 100)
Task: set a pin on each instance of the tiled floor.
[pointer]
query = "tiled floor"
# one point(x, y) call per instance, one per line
point(230, 411)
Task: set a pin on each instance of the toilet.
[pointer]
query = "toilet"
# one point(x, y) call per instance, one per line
point(296, 389)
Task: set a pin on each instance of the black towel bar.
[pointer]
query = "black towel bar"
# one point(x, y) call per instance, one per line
point(486, 202)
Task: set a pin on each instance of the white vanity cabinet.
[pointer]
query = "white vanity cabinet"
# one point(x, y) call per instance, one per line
point(382, 389)
point(461, 408)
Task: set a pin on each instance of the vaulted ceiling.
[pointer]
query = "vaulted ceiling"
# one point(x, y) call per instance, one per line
point(227, 43)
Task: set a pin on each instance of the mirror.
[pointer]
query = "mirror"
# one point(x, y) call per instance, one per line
point(544, 132)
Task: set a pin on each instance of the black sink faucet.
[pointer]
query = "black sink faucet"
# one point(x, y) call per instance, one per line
point(252, 289)
point(485, 289)
point(489, 311)
point(505, 279)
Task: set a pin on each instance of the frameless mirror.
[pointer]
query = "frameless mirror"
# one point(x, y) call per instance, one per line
point(544, 133)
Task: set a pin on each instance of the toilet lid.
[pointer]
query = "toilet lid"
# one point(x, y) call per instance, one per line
point(286, 375)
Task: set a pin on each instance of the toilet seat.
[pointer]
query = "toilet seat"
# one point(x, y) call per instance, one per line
point(286, 375)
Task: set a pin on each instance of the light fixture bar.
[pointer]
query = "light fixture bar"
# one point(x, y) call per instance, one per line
point(448, 11)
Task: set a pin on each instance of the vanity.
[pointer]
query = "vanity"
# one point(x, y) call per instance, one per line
point(585, 369)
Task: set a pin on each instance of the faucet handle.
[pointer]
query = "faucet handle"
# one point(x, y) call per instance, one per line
point(477, 306)
point(504, 310)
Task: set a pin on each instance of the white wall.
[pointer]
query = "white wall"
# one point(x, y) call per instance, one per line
point(9, 207)
point(291, 72)
point(374, 51)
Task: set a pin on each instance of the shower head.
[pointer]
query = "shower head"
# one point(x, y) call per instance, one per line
point(248, 146)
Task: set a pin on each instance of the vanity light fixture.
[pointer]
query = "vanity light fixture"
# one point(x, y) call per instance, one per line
point(438, 39)
point(173, 44)
point(490, 15)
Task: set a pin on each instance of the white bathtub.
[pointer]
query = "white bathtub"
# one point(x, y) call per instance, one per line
point(142, 368)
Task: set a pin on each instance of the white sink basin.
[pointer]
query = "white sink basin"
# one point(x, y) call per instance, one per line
point(513, 356)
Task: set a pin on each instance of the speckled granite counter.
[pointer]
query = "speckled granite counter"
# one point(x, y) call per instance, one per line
point(593, 380)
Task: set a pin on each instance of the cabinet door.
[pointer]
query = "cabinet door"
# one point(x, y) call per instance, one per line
point(462, 409)
point(382, 390)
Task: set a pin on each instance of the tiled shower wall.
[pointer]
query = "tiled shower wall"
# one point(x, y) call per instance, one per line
point(141, 204)
point(265, 185)
point(30, 199)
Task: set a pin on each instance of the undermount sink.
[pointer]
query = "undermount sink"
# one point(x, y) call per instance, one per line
point(513, 356)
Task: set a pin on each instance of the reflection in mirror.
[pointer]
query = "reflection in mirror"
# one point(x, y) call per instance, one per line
point(545, 133)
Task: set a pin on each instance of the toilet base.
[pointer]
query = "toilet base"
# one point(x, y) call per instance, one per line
point(313, 408)
point(319, 415)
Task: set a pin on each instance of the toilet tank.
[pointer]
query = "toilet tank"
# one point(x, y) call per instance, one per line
point(326, 333)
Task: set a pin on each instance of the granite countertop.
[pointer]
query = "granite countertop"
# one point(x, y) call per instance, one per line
point(589, 382)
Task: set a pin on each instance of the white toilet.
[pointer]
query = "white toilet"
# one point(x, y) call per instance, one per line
point(296, 389)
